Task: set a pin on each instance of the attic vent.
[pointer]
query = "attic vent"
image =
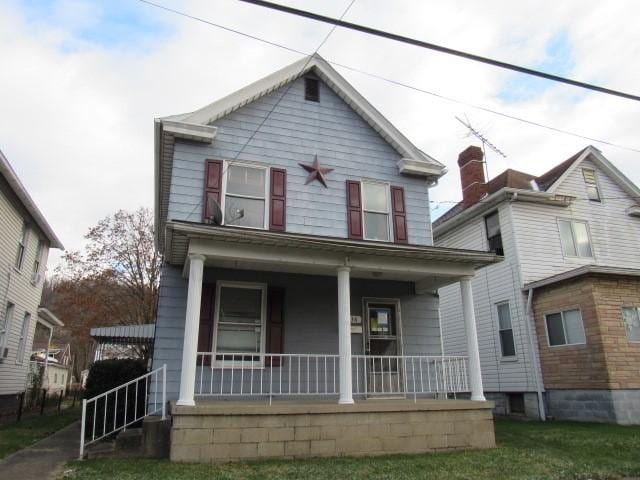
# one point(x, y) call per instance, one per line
point(311, 89)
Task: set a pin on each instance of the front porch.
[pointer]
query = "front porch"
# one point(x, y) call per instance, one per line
point(243, 430)
point(288, 331)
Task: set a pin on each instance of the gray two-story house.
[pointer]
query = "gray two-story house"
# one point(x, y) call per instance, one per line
point(25, 240)
point(298, 306)
point(559, 318)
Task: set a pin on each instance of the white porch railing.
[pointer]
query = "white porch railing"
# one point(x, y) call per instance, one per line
point(116, 409)
point(273, 375)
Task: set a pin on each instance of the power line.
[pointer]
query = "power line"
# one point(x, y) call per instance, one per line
point(440, 48)
point(396, 82)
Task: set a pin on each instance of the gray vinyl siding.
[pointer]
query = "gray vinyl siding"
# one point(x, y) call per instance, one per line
point(615, 236)
point(295, 131)
point(17, 287)
point(311, 315)
point(491, 285)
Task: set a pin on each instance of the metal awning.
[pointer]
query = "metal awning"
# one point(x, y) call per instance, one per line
point(125, 334)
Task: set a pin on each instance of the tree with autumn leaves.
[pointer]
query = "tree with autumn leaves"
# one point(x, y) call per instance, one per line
point(113, 281)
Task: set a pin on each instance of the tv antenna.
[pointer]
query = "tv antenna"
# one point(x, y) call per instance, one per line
point(485, 141)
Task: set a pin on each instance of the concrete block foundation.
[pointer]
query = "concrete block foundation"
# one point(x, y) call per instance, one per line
point(238, 431)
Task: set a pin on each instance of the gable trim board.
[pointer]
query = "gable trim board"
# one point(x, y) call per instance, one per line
point(195, 126)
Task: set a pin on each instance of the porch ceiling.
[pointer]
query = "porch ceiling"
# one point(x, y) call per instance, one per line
point(228, 247)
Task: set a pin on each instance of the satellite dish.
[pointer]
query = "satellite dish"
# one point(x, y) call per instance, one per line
point(215, 212)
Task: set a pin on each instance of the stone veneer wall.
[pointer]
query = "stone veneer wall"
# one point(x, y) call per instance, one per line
point(220, 433)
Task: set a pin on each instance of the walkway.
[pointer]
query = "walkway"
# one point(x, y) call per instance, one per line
point(45, 459)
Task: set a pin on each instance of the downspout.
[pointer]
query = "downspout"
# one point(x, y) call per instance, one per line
point(536, 365)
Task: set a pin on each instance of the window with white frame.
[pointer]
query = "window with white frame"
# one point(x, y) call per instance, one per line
point(5, 327)
point(22, 341)
point(245, 200)
point(565, 328)
point(376, 211)
point(631, 317)
point(22, 247)
point(591, 184)
point(574, 236)
point(37, 261)
point(240, 321)
point(505, 329)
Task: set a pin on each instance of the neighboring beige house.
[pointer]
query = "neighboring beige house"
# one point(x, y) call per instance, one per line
point(25, 240)
point(559, 318)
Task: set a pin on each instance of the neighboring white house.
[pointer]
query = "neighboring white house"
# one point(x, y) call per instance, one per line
point(25, 240)
point(558, 319)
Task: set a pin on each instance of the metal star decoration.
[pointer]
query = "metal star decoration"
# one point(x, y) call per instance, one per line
point(316, 172)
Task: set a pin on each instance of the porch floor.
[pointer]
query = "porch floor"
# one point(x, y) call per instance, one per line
point(323, 406)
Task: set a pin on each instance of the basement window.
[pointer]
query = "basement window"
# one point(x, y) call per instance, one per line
point(516, 403)
point(494, 235)
point(311, 89)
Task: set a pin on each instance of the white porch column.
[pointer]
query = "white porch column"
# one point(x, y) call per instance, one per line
point(192, 322)
point(475, 374)
point(344, 334)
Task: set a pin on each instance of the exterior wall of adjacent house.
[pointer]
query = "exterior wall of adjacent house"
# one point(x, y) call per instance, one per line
point(533, 251)
point(609, 389)
point(614, 234)
point(491, 285)
point(18, 288)
point(295, 131)
point(310, 315)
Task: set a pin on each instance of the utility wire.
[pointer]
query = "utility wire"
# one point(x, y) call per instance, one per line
point(440, 48)
point(395, 82)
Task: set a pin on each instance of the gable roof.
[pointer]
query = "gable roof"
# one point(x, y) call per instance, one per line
point(197, 126)
point(7, 172)
point(549, 181)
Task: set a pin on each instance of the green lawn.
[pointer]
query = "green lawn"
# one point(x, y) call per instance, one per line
point(554, 450)
point(15, 436)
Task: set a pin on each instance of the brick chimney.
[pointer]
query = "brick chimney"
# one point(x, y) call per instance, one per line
point(474, 185)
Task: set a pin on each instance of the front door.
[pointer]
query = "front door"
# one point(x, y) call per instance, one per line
point(383, 346)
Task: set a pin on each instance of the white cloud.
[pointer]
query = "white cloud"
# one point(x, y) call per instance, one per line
point(77, 115)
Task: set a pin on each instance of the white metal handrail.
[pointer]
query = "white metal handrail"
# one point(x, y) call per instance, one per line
point(270, 374)
point(409, 374)
point(109, 400)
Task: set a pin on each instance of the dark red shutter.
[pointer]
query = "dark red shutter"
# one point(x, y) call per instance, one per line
point(275, 323)
point(205, 330)
point(399, 215)
point(354, 210)
point(278, 200)
point(212, 186)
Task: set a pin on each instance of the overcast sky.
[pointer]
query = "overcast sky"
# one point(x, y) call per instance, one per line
point(81, 82)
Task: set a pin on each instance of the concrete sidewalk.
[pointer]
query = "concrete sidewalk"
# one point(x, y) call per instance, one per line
point(45, 459)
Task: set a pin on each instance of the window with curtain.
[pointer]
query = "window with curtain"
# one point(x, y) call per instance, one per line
point(505, 328)
point(375, 208)
point(245, 196)
point(565, 328)
point(574, 236)
point(241, 320)
point(631, 317)
point(5, 326)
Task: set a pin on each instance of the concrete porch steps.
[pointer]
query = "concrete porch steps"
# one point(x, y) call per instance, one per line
point(150, 441)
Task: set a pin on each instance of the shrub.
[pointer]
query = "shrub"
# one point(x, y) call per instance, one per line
point(105, 375)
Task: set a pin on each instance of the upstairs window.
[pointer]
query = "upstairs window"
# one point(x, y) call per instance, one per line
point(5, 326)
point(589, 176)
point(36, 262)
point(22, 246)
point(245, 196)
point(507, 343)
point(574, 236)
point(376, 206)
point(565, 328)
point(311, 89)
point(494, 235)
point(631, 317)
